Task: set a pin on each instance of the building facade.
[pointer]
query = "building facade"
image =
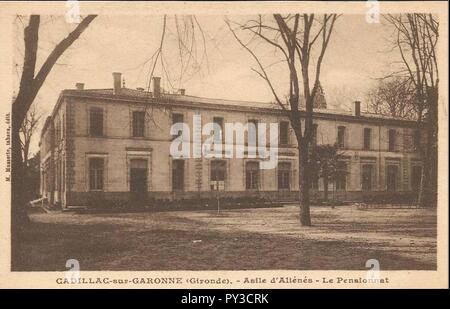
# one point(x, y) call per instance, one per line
point(108, 145)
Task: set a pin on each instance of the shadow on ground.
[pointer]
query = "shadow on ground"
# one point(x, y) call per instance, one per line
point(102, 246)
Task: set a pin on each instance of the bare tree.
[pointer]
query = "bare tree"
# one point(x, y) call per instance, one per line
point(394, 97)
point(416, 38)
point(31, 82)
point(299, 38)
point(27, 131)
point(188, 58)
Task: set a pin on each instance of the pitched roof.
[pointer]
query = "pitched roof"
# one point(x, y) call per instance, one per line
point(128, 93)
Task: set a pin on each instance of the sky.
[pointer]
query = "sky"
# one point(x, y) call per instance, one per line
point(358, 53)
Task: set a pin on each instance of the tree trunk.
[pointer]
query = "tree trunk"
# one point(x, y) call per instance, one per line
point(305, 217)
point(19, 218)
point(428, 189)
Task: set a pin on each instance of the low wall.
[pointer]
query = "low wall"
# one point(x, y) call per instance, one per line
point(110, 199)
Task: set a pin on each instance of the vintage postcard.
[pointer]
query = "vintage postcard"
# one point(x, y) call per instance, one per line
point(224, 145)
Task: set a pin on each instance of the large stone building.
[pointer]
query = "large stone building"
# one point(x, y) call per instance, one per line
point(109, 145)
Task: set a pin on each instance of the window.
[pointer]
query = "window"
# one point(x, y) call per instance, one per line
point(138, 124)
point(341, 176)
point(284, 175)
point(367, 138)
point(391, 139)
point(367, 173)
point(253, 132)
point(416, 139)
point(218, 173)
point(138, 177)
point(96, 122)
point(392, 177)
point(341, 137)
point(284, 133)
point(416, 178)
point(57, 129)
point(314, 134)
point(218, 138)
point(63, 126)
point(177, 175)
point(96, 173)
point(63, 176)
point(177, 118)
point(252, 175)
point(314, 183)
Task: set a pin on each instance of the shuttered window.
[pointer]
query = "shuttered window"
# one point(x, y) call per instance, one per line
point(138, 124)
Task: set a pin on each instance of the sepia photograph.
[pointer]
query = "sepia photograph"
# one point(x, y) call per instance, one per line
point(209, 139)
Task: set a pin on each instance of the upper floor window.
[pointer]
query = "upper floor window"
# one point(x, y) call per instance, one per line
point(177, 118)
point(253, 132)
point(284, 133)
point(96, 122)
point(391, 139)
point(341, 137)
point(96, 167)
point(138, 123)
point(218, 136)
point(367, 138)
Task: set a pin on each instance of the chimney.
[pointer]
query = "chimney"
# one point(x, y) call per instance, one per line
point(156, 86)
point(182, 91)
point(79, 86)
point(117, 82)
point(357, 110)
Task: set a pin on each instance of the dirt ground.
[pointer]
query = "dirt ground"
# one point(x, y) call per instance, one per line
point(343, 238)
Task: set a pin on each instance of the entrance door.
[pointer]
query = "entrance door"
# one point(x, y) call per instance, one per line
point(138, 179)
point(392, 177)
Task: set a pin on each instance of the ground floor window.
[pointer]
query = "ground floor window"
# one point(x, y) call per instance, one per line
point(96, 172)
point(218, 174)
point(178, 175)
point(341, 176)
point(392, 177)
point(252, 175)
point(284, 176)
point(138, 175)
point(314, 183)
point(416, 177)
point(367, 175)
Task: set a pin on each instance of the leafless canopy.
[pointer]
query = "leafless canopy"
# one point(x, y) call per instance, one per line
point(191, 54)
point(394, 96)
point(416, 39)
point(299, 38)
point(27, 131)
